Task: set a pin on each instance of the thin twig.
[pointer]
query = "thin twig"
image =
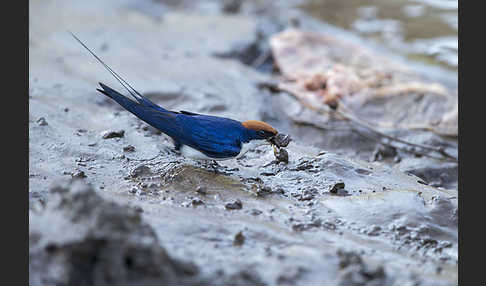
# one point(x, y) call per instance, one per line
point(261, 59)
point(396, 147)
point(315, 125)
point(367, 126)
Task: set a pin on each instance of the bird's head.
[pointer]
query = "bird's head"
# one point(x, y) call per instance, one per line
point(258, 130)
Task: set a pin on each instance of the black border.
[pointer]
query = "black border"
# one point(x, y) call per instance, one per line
point(15, 113)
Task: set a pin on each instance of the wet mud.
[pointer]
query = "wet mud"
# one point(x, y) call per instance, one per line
point(111, 202)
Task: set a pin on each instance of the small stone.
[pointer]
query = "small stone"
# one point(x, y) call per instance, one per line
point(239, 239)
point(201, 190)
point(255, 212)
point(128, 148)
point(336, 187)
point(374, 230)
point(113, 134)
point(236, 205)
point(382, 152)
point(197, 202)
point(281, 155)
point(262, 191)
point(42, 121)
point(79, 174)
point(305, 197)
point(232, 6)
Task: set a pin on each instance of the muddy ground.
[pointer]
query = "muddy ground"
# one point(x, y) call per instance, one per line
point(111, 203)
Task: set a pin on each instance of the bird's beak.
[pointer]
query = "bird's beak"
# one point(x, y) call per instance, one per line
point(271, 140)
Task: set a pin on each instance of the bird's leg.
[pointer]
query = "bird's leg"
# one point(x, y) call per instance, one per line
point(208, 165)
point(215, 165)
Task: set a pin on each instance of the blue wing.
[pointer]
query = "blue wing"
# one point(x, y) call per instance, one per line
point(217, 137)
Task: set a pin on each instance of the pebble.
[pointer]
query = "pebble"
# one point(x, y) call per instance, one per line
point(128, 148)
point(79, 174)
point(113, 134)
point(236, 205)
point(336, 187)
point(42, 121)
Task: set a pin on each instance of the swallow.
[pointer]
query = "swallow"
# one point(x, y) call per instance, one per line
point(197, 136)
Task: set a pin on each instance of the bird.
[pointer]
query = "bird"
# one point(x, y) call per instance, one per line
point(196, 136)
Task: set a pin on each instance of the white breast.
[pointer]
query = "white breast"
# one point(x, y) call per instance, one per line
point(190, 152)
point(250, 146)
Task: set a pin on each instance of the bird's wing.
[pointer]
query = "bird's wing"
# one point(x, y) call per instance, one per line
point(216, 137)
point(188, 113)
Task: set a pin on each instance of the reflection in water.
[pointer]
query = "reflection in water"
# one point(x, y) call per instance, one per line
point(423, 30)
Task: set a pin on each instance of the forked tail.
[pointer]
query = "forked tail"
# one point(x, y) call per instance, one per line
point(135, 94)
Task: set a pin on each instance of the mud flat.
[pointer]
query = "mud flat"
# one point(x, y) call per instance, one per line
point(112, 203)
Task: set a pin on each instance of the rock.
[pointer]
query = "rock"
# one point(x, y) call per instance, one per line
point(383, 152)
point(336, 187)
point(102, 243)
point(79, 174)
point(42, 121)
point(128, 148)
point(255, 212)
point(201, 190)
point(197, 202)
point(232, 6)
point(236, 205)
point(245, 277)
point(356, 272)
point(281, 155)
point(113, 134)
point(239, 239)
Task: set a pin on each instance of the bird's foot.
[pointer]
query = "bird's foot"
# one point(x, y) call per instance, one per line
point(214, 167)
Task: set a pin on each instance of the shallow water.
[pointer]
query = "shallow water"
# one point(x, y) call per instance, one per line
point(423, 31)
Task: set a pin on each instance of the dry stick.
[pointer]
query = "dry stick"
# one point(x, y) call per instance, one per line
point(367, 126)
point(396, 147)
point(352, 129)
point(362, 123)
point(261, 59)
point(358, 122)
point(143, 160)
point(380, 134)
point(312, 124)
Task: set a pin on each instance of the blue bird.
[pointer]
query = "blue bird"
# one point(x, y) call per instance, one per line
point(197, 136)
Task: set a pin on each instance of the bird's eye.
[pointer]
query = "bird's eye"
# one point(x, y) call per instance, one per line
point(261, 133)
